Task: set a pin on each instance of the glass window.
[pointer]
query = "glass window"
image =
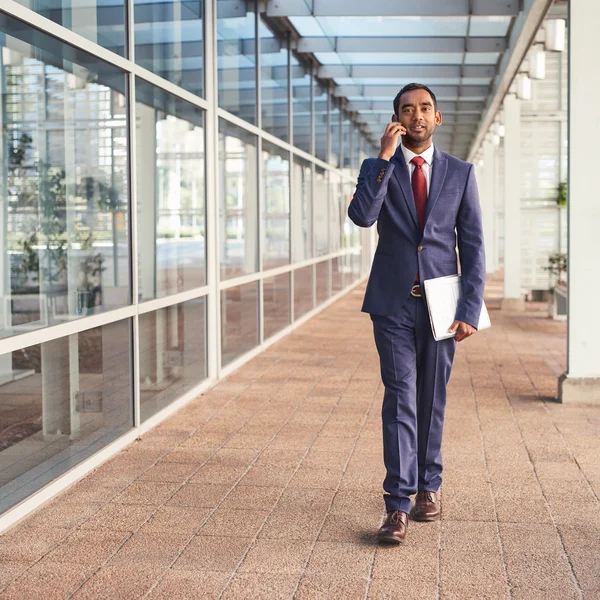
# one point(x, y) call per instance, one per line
point(301, 84)
point(168, 40)
point(302, 210)
point(321, 120)
point(274, 84)
point(236, 63)
point(238, 210)
point(303, 291)
point(322, 282)
point(347, 143)
point(172, 354)
point(239, 321)
point(336, 149)
point(276, 220)
point(276, 301)
point(351, 232)
point(66, 219)
point(100, 21)
point(321, 211)
point(337, 275)
point(61, 402)
point(335, 216)
point(170, 193)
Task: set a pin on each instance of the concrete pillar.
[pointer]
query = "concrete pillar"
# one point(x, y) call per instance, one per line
point(513, 299)
point(581, 382)
point(488, 209)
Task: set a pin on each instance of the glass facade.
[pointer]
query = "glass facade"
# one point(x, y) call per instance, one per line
point(146, 253)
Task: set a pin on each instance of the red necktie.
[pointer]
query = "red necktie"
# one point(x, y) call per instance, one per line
point(419, 186)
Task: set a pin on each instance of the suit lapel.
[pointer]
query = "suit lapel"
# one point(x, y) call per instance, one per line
point(401, 174)
point(438, 176)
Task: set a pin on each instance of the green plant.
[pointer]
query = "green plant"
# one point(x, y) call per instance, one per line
point(557, 266)
point(561, 199)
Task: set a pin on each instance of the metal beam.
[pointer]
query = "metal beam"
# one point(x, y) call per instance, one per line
point(385, 106)
point(389, 91)
point(389, 8)
point(401, 44)
point(410, 71)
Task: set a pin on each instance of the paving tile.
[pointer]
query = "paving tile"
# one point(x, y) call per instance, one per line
point(206, 495)
point(352, 560)
point(89, 548)
point(185, 519)
point(149, 493)
point(250, 586)
point(323, 587)
point(234, 522)
point(213, 553)
point(159, 548)
point(49, 580)
point(119, 582)
point(119, 517)
point(277, 556)
point(190, 585)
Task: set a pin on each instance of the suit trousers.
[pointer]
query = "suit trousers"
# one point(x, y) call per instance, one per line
point(415, 370)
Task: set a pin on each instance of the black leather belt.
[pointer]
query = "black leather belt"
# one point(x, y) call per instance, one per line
point(416, 291)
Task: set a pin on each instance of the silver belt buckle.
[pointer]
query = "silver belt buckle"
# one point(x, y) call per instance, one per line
point(416, 291)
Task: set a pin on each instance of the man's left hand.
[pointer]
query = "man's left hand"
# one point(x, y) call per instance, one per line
point(463, 330)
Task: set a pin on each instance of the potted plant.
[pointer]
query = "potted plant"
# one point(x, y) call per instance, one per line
point(557, 298)
point(561, 199)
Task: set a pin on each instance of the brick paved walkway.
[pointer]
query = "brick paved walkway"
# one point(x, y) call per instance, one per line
point(269, 486)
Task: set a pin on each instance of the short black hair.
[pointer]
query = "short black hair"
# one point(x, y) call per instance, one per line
point(409, 88)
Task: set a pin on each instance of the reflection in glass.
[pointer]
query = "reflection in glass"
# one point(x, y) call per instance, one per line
point(303, 291)
point(276, 220)
point(351, 232)
point(322, 282)
point(239, 321)
point(276, 301)
point(65, 221)
point(274, 83)
point(321, 120)
point(335, 215)
point(336, 149)
point(302, 210)
point(347, 143)
point(320, 208)
point(337, 275)
point(168, 40)
point(172, 354)
point(170, 192)
point(238, 202)
point(301, 83)
point(61, 402)
point(236, 62)
point(100, 21)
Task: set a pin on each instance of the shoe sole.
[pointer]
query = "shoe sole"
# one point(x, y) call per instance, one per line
point(426, 519)
point(389, 539)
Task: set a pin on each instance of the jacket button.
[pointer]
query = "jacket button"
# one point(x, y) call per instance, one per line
point(420, 248)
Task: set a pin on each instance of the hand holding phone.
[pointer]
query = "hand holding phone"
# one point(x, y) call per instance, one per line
point(389, 140)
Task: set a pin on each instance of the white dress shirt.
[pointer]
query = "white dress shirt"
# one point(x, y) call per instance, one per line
point(427, 156)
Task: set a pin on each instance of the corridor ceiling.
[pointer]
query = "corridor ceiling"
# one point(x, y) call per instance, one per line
point(369, 50)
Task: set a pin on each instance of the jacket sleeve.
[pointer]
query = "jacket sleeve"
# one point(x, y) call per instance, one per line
point(370, 191)
point(471, 250)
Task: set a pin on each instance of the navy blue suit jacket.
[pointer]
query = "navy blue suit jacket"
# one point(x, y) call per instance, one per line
point(384, 194)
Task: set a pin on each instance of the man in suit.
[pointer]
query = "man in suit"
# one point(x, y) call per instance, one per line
point(424, 201)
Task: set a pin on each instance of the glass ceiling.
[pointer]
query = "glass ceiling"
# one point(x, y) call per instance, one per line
point(368, 57)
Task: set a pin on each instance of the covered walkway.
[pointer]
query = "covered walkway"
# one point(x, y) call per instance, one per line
point(269, 485)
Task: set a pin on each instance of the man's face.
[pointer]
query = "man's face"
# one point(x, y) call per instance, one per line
point(417, 113)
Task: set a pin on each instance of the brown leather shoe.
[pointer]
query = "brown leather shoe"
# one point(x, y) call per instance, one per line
point(426, 508)
point(393, 530)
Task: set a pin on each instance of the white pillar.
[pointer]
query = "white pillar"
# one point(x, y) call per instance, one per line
point(581, 382)
point(513, 299)
point(488, 209)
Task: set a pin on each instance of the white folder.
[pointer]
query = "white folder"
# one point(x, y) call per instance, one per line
point(442, 295)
